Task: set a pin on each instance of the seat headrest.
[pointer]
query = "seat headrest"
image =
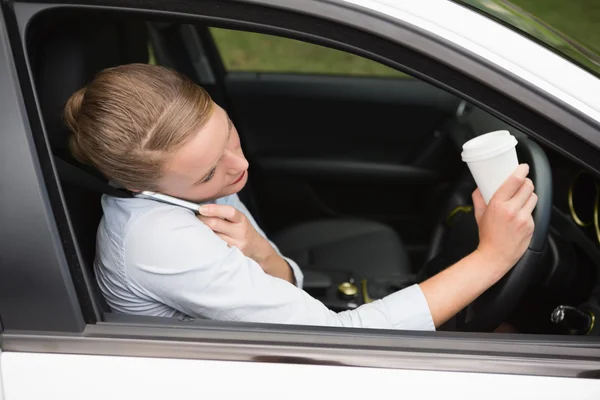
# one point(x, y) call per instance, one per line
point(72, 55)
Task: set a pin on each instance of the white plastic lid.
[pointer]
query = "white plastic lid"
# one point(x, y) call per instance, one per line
point(487, 146)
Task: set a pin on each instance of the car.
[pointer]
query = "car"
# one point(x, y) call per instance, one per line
point(438, 74)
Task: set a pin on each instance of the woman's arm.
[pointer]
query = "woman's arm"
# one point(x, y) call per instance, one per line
point(456, 287)
point(505, 230)
point(276, 266)
point(175, 259)
point(232, 225)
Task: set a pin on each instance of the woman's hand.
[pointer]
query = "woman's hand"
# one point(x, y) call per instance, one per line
point(506, 224)
point(505, 230)
point(233, 227)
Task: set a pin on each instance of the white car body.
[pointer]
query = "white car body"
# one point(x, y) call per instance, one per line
point(68, 376)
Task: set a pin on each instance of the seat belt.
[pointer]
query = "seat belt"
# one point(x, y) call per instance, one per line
point(79, 177)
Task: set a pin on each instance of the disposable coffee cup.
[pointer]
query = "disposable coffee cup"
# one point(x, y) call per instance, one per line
point(491, 158)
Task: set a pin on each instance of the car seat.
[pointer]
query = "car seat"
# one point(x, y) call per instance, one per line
point(68, 57)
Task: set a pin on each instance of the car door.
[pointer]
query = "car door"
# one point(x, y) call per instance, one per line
point(68, 377)
point(57, 342)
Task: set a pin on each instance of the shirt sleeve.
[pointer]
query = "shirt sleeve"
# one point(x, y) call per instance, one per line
point(173, 258)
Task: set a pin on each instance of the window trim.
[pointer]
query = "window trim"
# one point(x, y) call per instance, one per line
point(411, 349)
point(28, 203)
point(503, 354)
point(580, 54)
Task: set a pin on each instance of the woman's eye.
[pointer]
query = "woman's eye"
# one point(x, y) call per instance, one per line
point(210, 176)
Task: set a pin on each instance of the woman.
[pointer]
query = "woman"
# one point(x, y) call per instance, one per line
point(149, 128)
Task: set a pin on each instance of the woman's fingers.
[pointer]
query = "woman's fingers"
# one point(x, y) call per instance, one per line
point(218, 225)
point(221, 211)
point(520, 198)
point(530, 204)
point(227, 239)
point(479, 204)
point(512, 184)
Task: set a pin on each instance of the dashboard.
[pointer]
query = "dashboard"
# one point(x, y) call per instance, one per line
point(565, 297)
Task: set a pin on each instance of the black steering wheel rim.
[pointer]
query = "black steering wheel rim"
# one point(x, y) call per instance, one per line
point(497, 303)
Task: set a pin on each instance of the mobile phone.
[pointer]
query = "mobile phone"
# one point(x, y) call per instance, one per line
point(164, 198)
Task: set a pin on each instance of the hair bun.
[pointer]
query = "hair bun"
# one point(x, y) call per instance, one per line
point(71, 113)
point(72, 109)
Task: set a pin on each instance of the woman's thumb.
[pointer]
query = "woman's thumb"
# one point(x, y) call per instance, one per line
point(479, 204)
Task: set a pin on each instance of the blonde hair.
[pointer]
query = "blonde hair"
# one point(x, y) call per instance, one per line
point(131, 117)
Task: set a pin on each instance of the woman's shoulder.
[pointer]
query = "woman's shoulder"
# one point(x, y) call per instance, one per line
point(125, 215)
point(163, 233)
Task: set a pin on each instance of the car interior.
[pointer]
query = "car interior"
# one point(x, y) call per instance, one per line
point(341, 167)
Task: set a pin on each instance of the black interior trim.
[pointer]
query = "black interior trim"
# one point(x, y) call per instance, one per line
point(368, 89)
point(78, 177)
point(339, 170)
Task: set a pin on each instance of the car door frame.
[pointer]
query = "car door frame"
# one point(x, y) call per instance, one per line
point(71, 325)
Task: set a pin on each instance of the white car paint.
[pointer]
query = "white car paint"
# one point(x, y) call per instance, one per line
point(500, 45)
point(75, 377)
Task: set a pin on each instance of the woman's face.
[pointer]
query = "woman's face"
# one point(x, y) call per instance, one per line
point(210, 165)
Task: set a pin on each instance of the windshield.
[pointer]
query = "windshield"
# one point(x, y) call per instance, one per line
point(569, 28)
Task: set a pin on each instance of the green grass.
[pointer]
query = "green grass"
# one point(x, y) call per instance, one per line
point(243, 51)
point(579, 19)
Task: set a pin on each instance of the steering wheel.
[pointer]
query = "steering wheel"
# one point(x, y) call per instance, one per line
point(456, 236)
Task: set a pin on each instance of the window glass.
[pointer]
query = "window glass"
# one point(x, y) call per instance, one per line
point(151, 55)
point(256, 52)
point(569, 28)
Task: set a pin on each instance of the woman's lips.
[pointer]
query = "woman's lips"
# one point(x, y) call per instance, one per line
point(240, 178)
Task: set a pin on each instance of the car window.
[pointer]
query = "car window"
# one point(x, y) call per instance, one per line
point(569, 28)
point(357, 154)
point(256, 52)
point(151, 54)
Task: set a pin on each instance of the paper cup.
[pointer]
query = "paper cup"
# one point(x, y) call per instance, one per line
point(491, 158)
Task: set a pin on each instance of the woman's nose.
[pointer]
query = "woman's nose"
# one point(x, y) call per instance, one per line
point(237, 162)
